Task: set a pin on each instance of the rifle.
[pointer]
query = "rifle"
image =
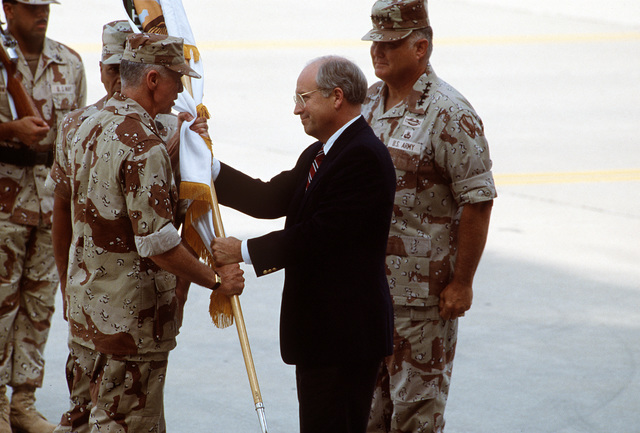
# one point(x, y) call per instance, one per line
point(20, 100)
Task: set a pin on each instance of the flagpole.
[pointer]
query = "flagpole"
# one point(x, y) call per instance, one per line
point(240, 326)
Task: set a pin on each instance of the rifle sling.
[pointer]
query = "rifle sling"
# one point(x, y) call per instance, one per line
point(25, 157)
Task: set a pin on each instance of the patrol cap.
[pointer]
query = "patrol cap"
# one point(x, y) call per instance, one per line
point(37, 2)
point(157, 49)
point(114, 37)
point(396, 19)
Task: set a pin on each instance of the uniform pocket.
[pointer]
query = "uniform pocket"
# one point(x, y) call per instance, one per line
point(406, 164)
point(63, 101)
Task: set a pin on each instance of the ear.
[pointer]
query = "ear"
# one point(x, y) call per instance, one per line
point(152, 79)
point(421, 47)
point(338, 93)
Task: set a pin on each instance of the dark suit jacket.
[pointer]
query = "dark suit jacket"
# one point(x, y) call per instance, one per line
point(336, 305)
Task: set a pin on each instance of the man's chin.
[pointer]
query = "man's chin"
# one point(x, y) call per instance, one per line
point(380, 71)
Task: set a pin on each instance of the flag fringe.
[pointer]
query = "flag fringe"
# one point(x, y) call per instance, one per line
point(220, 308)
point(191, 52)
point(203, 111)
point(200, 193)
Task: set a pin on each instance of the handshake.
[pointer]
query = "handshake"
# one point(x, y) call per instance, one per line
point(226, 256)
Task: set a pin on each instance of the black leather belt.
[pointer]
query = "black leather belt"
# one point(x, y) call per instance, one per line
point(25, 157)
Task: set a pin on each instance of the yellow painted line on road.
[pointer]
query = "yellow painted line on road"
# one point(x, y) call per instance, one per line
point(567, 177)
point(480, 40)
point(540, 39)
point(349, 43)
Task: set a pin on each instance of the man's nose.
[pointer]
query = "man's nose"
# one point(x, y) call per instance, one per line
point(376, 50)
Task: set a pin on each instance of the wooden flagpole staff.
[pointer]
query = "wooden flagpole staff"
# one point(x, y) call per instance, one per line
point(242, 330)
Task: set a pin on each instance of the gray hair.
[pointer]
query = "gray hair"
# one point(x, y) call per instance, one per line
point(132, 73)
point(339, 72)
point(425, 33)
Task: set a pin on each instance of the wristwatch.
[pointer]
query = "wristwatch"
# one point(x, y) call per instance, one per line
point(218, 281)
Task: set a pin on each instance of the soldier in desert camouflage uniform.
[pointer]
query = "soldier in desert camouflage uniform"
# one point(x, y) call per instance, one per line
point(114, 36)
point(53, 75)
point(443, 201)
point(123, 310)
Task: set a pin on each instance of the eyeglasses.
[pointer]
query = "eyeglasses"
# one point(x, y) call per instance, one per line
point(298, 98)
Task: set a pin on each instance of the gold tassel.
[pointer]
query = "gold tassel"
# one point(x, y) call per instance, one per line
point(220, 310)
point(203, 112)
point(191, 52)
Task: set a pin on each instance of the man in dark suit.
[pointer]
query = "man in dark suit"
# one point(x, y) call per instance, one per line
point(336, 318)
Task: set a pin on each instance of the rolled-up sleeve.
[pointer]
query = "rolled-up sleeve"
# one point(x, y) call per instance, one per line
point(158, 242)
point(475, 189)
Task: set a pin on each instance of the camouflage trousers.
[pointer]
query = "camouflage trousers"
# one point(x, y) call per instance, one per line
point(28, 284)
point(413, 383)
point(115, 395)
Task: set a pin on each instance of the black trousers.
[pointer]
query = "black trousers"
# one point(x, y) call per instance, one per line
point(336, 398)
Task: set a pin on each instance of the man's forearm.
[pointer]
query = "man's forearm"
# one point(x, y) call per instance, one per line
point(182, 263)
point(472, 237)
point(61, 230)
point(7, 131)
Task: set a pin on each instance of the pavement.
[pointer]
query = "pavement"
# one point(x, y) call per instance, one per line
point(552, 342)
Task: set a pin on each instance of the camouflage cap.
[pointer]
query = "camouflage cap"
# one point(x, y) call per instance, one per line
point(156, 49)
point(37, 2)
point(396, 19)
point(114, 37)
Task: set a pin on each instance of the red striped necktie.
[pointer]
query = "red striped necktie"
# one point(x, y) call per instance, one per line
point(314, 165)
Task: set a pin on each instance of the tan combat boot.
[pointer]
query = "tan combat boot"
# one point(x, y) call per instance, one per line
point(5, 425)
point(24, 416)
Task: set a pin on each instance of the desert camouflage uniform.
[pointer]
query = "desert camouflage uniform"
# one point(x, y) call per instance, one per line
point(28, 279)
point(167, 125)
point(438, 147)
point(122, 308)
point(80, 363)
